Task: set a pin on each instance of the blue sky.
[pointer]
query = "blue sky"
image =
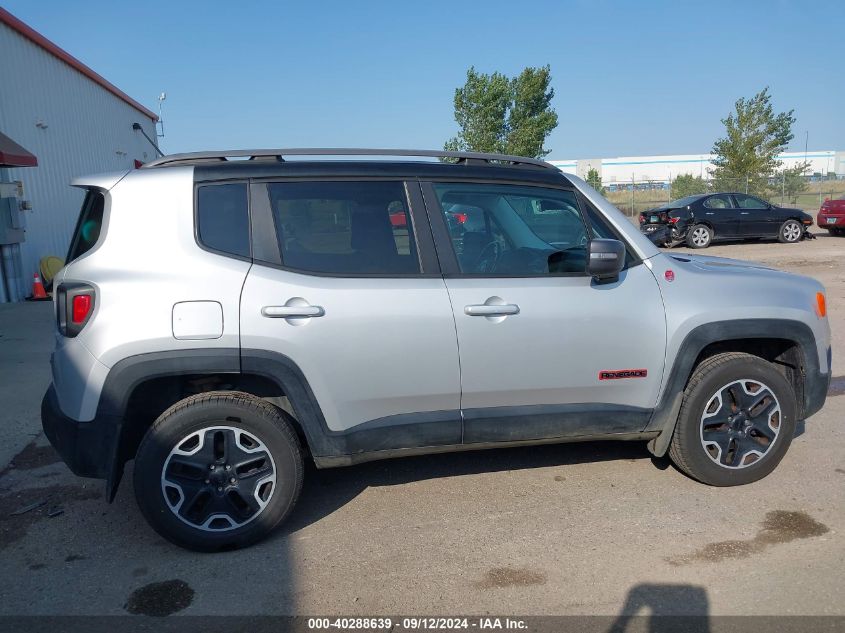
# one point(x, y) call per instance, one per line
point(629, 77)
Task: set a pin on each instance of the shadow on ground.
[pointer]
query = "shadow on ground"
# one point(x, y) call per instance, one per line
point(666, 607)
point(326, 491)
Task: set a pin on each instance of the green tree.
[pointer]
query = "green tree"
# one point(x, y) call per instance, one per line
point(790, 183)
point(594, 180)
point(685, 185)
point(754, 135)
point(504, 115)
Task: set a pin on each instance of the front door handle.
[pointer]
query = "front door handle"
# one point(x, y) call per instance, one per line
point(287, 312)
point(488, 310)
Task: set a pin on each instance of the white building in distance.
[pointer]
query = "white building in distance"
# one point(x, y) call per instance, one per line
point(624, 170)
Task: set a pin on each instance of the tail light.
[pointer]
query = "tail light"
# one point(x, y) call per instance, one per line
point(80, 309)
point(642, 219)
point(74, 307)
point(674, 220)
point(460, 217)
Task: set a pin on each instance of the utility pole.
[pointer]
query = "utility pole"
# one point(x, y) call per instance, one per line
point(161, 99)
point(782, 186)
point(806, 142)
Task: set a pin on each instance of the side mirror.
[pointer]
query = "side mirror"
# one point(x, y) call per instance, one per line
point(605, 259)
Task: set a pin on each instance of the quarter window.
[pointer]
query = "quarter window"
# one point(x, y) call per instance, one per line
point(88, 226)
point(358, 228)
point(503, 230)
point(223, 218)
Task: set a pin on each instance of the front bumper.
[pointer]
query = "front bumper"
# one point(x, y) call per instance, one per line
point(816, 386)
point(87, 448)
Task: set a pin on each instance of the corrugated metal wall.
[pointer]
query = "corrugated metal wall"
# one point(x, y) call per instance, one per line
point(85, 129)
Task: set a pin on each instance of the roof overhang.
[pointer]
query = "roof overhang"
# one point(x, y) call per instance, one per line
point(13, 155)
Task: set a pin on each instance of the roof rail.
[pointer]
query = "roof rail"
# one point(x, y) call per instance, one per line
point(279, 155)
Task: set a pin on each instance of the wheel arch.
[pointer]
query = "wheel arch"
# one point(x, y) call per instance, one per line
point(787, 343)
point(139, 388)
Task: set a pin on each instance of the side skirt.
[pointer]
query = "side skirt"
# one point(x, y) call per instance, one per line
point(336, 461)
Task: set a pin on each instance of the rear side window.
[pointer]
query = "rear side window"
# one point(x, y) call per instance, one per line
point(88, 226)
point(223, 218)
point(357, 228)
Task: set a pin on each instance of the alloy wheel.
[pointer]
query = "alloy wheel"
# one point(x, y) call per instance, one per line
point(740, 423)
point(218, 478)
point(700, 236)
point(791, 232)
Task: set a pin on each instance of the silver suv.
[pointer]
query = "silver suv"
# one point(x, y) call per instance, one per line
point(220, 320)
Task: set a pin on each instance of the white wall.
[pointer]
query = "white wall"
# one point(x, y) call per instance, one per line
point(88, 130)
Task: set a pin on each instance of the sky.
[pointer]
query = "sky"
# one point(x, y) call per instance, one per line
point(630, 78)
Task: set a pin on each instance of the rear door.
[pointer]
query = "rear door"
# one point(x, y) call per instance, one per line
point(721, 213)
point(346, 285)
point(757, 218)
point(545, 351)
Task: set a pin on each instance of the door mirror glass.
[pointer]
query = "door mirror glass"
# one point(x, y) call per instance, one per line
point(605, 259)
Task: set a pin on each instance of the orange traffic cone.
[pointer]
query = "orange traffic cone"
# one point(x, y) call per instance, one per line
point(38, 292)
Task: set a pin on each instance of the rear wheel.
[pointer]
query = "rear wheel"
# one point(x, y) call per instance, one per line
point(790, 231)
point(736, 422)
point(218, 470)
point(699, 236)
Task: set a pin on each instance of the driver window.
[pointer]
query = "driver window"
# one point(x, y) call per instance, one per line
point(512, 230)
point(749, 202)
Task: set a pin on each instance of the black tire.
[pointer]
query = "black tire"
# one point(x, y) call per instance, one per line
point(699, 236)
point(687, 449)
point(790, 232)
point(243, 418)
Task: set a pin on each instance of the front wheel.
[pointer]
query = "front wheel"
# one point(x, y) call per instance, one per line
point(790, 232)
point(699, 236)
point(218, 470)
point(736, 421)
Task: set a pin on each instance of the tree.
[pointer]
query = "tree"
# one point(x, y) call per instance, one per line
point(747, 155)
point(685, 185)
point(502, 115)
point(789, 183)
point(594, 180)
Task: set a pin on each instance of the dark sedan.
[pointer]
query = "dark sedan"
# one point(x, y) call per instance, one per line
point(701, 219)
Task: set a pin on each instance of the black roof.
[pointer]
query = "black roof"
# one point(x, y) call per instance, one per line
point(378, 169)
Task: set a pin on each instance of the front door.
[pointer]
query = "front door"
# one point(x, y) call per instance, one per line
point(756, 217)
point(545, 351)
point(349, 302)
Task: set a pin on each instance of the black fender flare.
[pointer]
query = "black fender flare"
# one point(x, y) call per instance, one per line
point(816, 383)
point(127, 374)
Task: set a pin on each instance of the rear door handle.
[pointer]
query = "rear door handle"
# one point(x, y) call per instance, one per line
point(491, 310)
point(286, 312)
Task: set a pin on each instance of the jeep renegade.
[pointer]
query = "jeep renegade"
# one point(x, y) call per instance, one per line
point(220, 320)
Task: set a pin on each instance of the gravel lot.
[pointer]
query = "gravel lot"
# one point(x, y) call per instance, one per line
point(591, 528)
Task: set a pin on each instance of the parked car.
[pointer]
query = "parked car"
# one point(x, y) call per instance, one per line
point(702, 219)
point(832, 216)
point(223, 321)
